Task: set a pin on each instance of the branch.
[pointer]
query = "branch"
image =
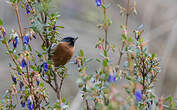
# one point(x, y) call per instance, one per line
point(126, 24)
point(19, 21)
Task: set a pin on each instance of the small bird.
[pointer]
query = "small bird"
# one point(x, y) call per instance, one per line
point(63, 51)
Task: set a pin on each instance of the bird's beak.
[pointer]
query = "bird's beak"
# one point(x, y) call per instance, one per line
point(75, 39)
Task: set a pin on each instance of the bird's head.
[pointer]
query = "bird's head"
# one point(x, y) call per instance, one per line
point(70, 40)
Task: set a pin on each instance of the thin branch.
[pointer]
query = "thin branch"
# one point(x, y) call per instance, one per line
point(105, 27)
point(19, 22)
point(126, 24)
point(61, 83)
point(127, 13)
point(8, 48)
point(48, 82)
point(40, 35)
point(57, 88)
point(86, 101)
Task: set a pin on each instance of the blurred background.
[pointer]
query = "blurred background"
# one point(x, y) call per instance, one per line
point(80, 17)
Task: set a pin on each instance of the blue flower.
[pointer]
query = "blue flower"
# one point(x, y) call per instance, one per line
point(138, 95)
point(45, 66)
point(14, 79)
point(29, 104)
point(15, 42)
point(98, 3)
point(21, 85)
point(54, 27)
point(26, 39)
point(9, 40)
point(4, 32)
point(22, 104)
point(38, 82)
point(111, 78)
point(28, 9)
point(19, 73)
point(23, 63)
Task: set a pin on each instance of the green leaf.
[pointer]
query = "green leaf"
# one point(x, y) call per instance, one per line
point(170, 99)
point(98, 60)
point(18, 1)
point(105, 62)
point(3, 42)
point(63, 100)
point(30, 48)
point(12, 1)
point(130, 39)
point(60, 26)
point(124, 37)
point(153, 55)
point(43, 47)
point(81, 53)
point(1, 23)
point(105, 53)
point(41, 85)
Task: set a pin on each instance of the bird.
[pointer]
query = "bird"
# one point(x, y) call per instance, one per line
point(64, 51)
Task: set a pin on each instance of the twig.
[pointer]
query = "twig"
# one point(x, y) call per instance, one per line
point(126, 24)
point(57, 88)
point(105, 27)
point(61, 83)
point(19, 22)
point(40, 35)
point(48, 82)
point(86, 101)
point(8, 48)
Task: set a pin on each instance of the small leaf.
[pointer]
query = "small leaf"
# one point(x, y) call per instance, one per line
point(98, 60)
point(170, 99)
point(3, 41)
point(81, 53)
point(1, 23)
point(130, 39)
point(124, 37)
point(153, 55)
point(60, 26)
point(41, 85)
point(108, 5)
point(43, 47)
point(105, 62)
point(30, 48)
point(105, 53)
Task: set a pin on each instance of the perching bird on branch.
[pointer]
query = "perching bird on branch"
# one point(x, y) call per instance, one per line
point(63, 51)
